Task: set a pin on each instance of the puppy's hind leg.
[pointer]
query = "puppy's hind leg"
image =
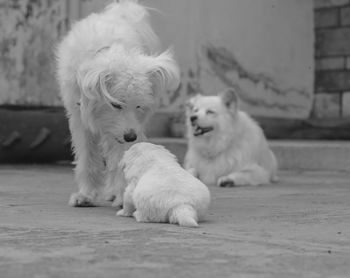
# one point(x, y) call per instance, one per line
point(249, 175)
point(139, 217)
point(89, 163)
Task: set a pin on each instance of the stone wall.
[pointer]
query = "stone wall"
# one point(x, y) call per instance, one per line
point(29, 30)
point(332, 79)
point(265, 48)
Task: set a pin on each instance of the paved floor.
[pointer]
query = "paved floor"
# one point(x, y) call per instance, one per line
point(299, 227)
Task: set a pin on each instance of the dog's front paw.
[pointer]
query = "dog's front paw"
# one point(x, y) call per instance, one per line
point(226, 182)
point(124, 213)
point(110, 198)
point(110, 193)
point(81, 200)
point(117, 202)
point(138, 216)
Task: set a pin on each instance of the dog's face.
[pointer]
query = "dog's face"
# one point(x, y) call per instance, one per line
point(210, 115)
point(123, 116)
point(120, 91)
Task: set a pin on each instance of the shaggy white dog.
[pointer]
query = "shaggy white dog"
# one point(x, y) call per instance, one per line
point(159, 189)
point(110, 77)
point(225, 145)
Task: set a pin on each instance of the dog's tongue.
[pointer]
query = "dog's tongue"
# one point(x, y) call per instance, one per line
point(201, 130)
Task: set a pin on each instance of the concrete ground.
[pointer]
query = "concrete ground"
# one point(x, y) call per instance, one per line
point(299, 227)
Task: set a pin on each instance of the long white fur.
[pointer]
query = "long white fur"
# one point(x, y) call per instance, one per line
point(159, 189)
point(235, 152)
point(110, 59)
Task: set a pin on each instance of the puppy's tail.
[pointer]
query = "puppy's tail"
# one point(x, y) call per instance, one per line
point(185, 215)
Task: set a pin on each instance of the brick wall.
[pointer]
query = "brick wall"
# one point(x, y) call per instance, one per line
point(332, 81)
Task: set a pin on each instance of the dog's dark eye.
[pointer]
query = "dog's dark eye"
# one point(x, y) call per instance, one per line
point(117, 106)
point(210, 112)
point(138, 107)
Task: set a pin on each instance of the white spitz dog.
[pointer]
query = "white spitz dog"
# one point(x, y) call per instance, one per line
point(159, 189)
point(110, 77)
point(225, 145)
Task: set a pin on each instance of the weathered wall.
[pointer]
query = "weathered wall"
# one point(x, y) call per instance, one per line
point(332, 27)
point(263, 47)
point(28, 32)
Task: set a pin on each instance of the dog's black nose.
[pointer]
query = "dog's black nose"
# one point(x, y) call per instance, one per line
point(130, 136)
point(193, 118)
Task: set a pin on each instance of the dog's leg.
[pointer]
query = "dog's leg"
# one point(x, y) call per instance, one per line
point(89, 163)
point(110, 190)
point(249, 175)
point(128, 205)
point(115, 181)
point(115, 186)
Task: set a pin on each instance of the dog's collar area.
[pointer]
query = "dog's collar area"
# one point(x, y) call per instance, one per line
point(198, 130)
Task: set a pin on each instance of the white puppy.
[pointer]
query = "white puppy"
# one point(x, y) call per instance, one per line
point(225, 146)
point(111, 78)
point(159, 189)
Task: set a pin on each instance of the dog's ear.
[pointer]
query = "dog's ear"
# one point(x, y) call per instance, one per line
point(230, 99)
point(86, 110)
point(163, 72)
point(189, 104)
point(88, 79)
point(94, 80)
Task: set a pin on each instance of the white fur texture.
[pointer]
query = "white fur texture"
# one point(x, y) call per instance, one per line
point(226, 146)
point(111, 78)
point(159, 189)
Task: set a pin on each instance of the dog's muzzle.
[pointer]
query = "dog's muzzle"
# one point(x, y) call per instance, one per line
point(130, 136)
point(198, 130)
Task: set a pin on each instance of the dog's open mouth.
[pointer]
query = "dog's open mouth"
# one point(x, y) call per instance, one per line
point(198, 130)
